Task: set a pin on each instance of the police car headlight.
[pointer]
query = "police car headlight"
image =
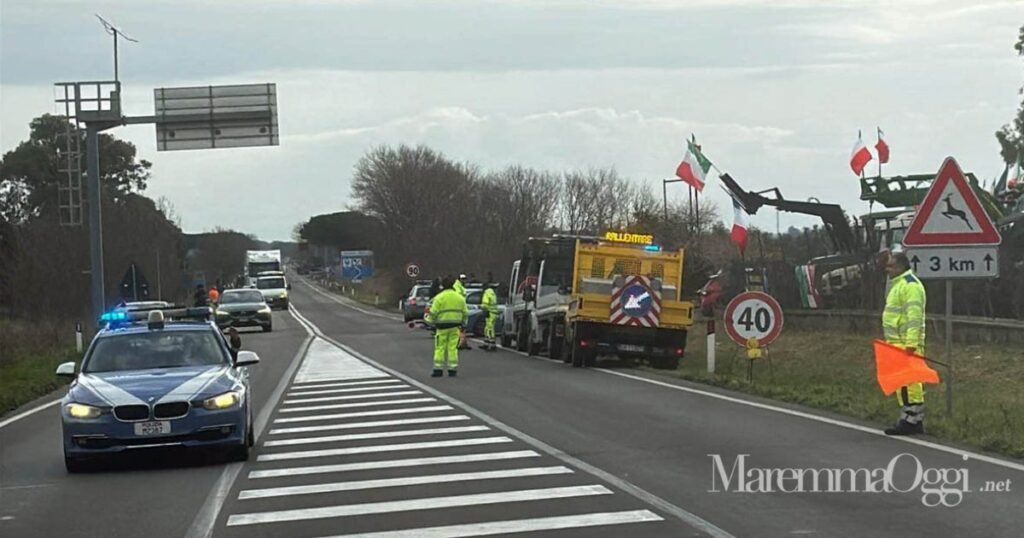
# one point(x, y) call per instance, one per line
point(221, 313)
point(264, 310)
point(284, 294)
point(77, 410)
point(222, 401)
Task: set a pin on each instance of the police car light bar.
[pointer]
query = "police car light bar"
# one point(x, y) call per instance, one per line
point(172, 313)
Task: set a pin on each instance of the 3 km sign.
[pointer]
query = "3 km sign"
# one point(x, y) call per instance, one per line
point(952, 236)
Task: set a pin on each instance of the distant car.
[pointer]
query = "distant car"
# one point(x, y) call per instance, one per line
point(149, 382)
point(274, 290)
point(244, 308)
point(414, 305)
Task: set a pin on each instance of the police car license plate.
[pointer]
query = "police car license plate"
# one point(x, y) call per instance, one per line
point(155, 427)
point(631, 348)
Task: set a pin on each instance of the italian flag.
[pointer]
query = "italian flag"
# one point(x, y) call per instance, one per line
point(740, 223)
point(694, 167)
point(806, 275)
point(859, 157)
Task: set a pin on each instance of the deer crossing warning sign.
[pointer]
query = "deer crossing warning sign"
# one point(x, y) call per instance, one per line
point(952, 236)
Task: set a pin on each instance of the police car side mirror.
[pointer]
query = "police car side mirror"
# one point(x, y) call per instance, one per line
point(289, 286)
point(246, 358)
point(66, 369)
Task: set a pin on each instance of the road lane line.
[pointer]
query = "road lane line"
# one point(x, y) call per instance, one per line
point(380, 412)
point(810, 416)
point(428, 503)
point(374, 435)
point(202, 524)
point(351, 397)
point(394, 464)
point(332, 384)
point(353, 405)
point(643, 495)
point(26, 413)
point(355, 485)
point(348, 304)
point(369, 424)
point(516, 526)
point(476, 441)
point(343, 391)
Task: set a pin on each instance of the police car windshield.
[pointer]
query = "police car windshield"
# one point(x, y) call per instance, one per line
point(423, 292)
point(238, 297)
point(269, 283)
point(155, 349)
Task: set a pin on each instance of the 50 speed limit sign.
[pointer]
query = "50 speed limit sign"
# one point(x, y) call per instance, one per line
point(753, 314)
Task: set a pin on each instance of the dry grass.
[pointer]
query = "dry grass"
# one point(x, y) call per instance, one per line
point(836, 371)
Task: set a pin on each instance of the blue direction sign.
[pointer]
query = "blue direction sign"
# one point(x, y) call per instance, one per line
point(356, 264)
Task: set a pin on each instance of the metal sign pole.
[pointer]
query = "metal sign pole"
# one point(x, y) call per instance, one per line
point(949, 346)
point(95, 219)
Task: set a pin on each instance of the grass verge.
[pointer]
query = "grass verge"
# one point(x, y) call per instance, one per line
point(27, 378)
point(835, 371)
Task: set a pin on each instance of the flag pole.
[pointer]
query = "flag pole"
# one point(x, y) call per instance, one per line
point(879, 135)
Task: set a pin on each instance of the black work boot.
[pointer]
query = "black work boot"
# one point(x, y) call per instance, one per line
point(452, 372)
point(437, 373)
point(905, 428)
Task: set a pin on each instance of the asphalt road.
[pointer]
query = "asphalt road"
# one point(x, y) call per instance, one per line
point(362, 440)
point(149, 494)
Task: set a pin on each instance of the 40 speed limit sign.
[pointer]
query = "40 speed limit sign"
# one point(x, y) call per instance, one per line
point(753, 314)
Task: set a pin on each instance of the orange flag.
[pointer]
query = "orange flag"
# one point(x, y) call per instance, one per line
point(898, 367)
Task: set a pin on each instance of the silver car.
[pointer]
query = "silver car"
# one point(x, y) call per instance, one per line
point(415, 302)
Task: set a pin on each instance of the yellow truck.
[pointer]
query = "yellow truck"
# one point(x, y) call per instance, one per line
point(577, 298)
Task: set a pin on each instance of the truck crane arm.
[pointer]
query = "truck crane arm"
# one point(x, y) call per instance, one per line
point(832, 215)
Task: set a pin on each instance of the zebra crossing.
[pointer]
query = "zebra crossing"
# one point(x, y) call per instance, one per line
point(355, 451)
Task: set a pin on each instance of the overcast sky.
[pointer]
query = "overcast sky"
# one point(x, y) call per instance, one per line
point(775, 90)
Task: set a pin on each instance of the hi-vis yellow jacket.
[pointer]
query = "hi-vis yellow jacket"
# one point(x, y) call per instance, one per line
point(448, 310)
point(903, 319)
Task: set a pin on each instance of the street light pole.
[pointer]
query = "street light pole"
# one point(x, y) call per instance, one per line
point(95, 219)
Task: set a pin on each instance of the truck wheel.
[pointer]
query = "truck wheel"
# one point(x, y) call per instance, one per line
point(665, 363)
point(568, 344)
point(556, 345)
point(576, 354)
point(523, 337)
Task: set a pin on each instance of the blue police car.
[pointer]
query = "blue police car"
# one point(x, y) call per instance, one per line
point(154, 379)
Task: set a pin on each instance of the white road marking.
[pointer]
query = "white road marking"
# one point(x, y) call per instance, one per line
point(428, 503)
point(343, 391)
point(374, 435)
point(375, 403)
point(850, 426)
point(515, 526)
point(325, 362)
point(369, 424)
point(352, 397)
point(643, 495)
point(334, 384)
point(382, 448)
point(202, 524)
point(380, 412)
point(28, 412)
point(331, 487)
point(394, 464)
